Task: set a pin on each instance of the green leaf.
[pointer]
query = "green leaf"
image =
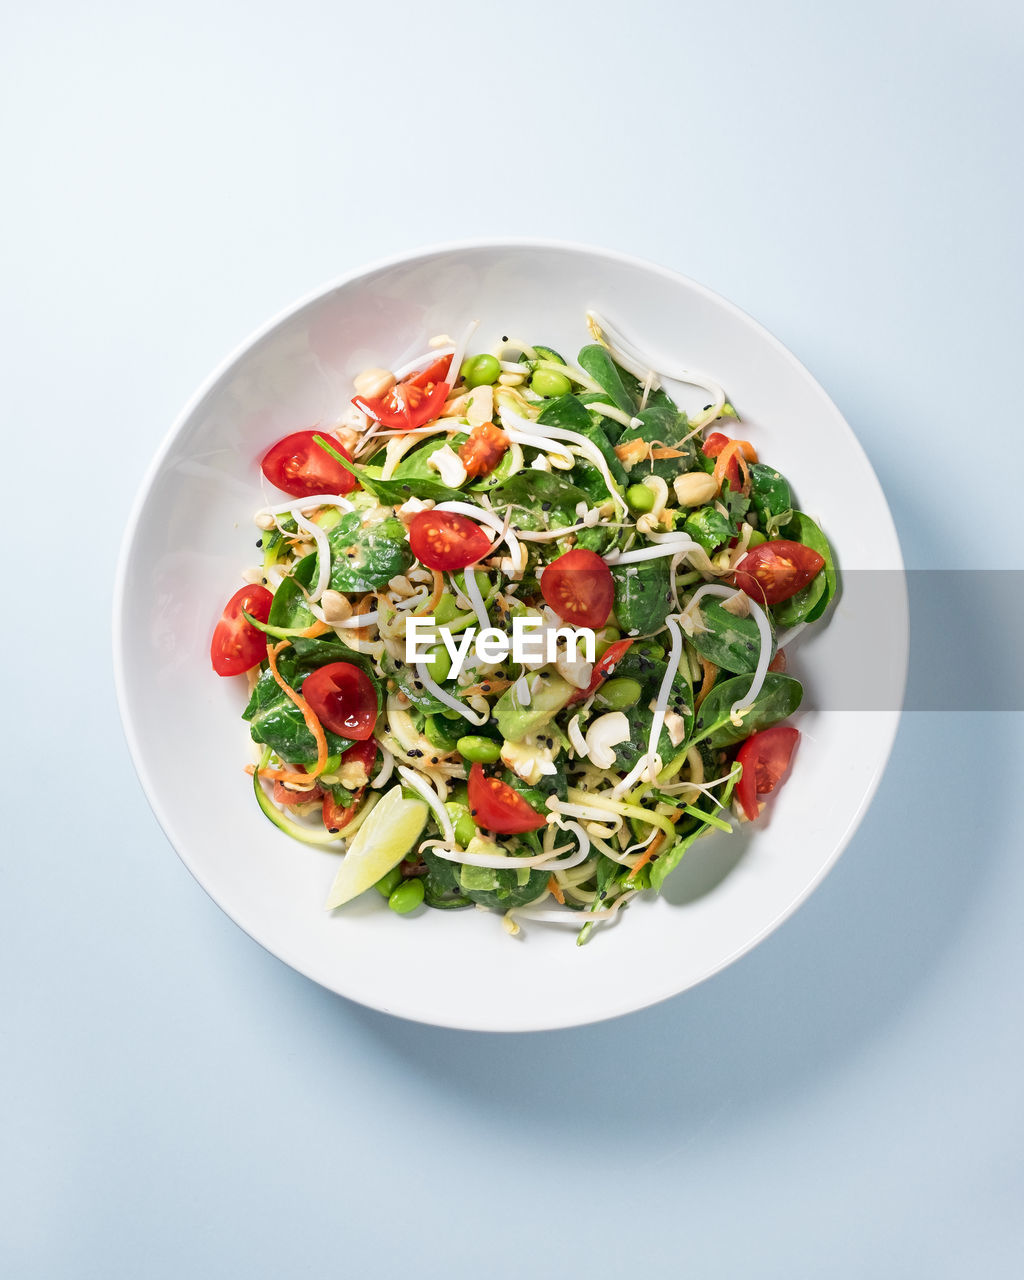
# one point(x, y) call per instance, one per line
point(414, 466)
point(813, 600)
point(732, 643)
point(662, 424)
point(545, 498)
point(779, 697)
point(595, 360)
point(643, 596)
point(770, 493)
point(365, 557)
point(289, 606)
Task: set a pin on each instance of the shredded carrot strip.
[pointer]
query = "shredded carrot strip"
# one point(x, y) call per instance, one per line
point(648, 853)
point(734, 449)
point(317, 629)
point(556, 889)
point(312, 724)
point(435, 595)
point(710, 675)
point(666, 451)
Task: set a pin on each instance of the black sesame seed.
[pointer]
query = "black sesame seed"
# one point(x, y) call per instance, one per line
point(264, 581)
point(259, 542)
point(415, 753)
point(433, 759)
point(504, 337)
point(334, 830)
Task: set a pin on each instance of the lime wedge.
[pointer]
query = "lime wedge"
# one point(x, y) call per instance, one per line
point(387, 835)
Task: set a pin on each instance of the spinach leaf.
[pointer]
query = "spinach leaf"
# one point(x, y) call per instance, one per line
point(779, 697)
point(770, 493)
point(732, 643)
point(408, 682)
point(289, 606)
point(596, 361)
point(556, 498)
point(566, 412)
point(441, 883)
point(813, 600)
point(663, 426)
point(501, 888)
point(364, 557)
point(643, 596)
point(414, 465)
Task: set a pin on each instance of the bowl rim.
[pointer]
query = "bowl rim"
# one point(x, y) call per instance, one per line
point(224, 367)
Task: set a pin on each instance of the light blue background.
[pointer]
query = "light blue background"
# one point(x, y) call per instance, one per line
point(845, 1101)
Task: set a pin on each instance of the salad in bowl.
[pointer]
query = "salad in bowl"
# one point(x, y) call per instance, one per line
point(487, 494)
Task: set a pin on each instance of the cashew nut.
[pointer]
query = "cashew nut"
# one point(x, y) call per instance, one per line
point(606, 732)
point(694, 488)
point(372, 383)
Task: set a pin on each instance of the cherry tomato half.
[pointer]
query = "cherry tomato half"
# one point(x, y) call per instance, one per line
point(602, 670)
point(499, 807)
point(407, 405)
point(343, 698)
point(237, 645)
point(483, 450)
point(446, 540)
point(765, 758)
point(337, 815)
point(579, 587)
point(300, 467)
point(776, 570)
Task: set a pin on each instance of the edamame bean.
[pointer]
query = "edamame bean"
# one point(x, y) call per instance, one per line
point(620, 694)
point(477, 749)
point(439, 663)
point(386, 885)
point(407, 897)
point(479, 371)
point(640, 498)
point(546, 383)
point(465, 827)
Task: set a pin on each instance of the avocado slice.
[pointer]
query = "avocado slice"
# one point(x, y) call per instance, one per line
point(516, 722)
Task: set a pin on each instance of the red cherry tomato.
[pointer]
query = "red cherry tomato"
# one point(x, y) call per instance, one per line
point(300, 467)
point(343, 698)
point(446, 540)
point(776, 570)
point(765, 758)
point(714, 444)
point(579, 587)
point(407, 405)
point(499, 807)
point(237, 645)
point(337, 815)
point(433, 373)
point(602, 670)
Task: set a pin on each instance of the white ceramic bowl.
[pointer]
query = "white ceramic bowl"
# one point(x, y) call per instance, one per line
point(191, 534)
